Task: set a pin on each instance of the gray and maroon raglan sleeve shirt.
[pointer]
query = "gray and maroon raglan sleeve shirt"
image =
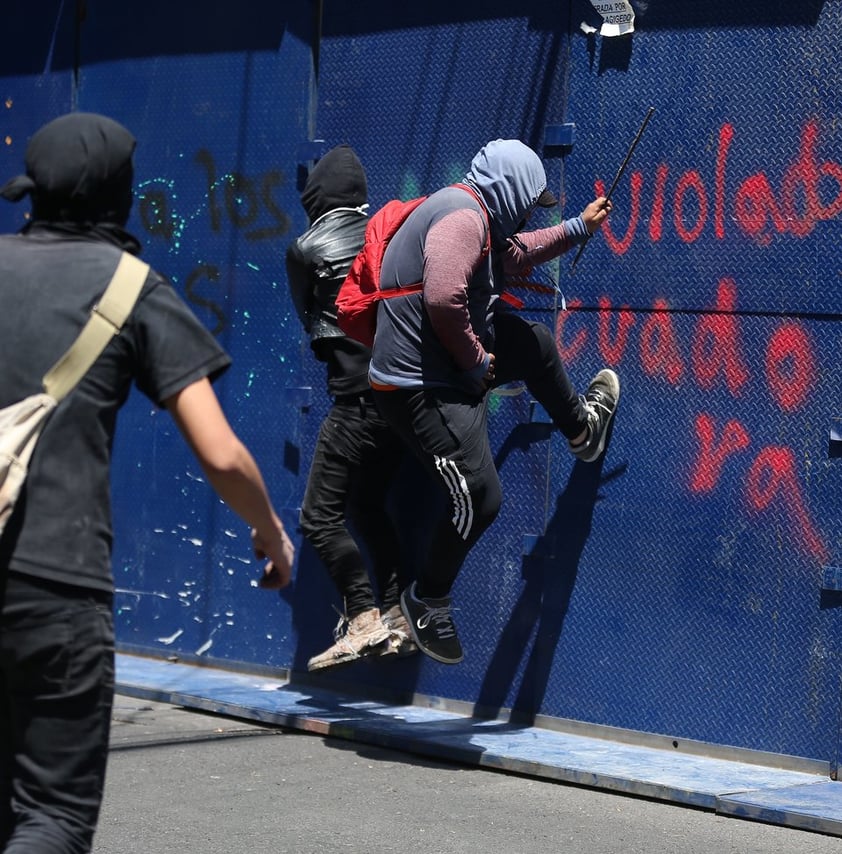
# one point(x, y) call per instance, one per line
point(434, 338)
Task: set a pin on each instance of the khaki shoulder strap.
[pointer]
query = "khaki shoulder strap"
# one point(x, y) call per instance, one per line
point(106, 320)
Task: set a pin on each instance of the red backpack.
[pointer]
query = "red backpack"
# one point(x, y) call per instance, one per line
point(356, 302)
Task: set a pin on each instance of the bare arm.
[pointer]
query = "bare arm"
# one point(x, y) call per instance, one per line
point(234, 475)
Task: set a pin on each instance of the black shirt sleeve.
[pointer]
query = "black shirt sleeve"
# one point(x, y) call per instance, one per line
point(173, 348)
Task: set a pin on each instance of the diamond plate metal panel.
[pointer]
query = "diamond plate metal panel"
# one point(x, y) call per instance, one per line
point(674, 588)
point(216, 166)
point(714, 289)
point(472, 77)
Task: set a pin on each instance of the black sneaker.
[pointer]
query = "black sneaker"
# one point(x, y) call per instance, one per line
point(432, 627)
point(600, 401)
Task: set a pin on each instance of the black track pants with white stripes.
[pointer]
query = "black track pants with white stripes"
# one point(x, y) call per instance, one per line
point(447, 431)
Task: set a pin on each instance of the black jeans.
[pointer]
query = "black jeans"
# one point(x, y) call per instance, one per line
point(526, 351)
point(355, 462)
point(56, 693)
point(447, 430)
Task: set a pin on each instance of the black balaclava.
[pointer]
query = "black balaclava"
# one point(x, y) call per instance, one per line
point(337, 181)
point(78, 170)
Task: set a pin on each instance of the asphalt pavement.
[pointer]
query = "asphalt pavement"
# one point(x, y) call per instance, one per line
point(181, 781)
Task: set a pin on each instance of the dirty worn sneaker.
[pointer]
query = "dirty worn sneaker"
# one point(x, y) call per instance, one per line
point(400, 642)
point(431, 625)
point(354, 638)
point(600, 401)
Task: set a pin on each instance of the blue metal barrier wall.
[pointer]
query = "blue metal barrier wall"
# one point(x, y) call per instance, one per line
point(685, 585)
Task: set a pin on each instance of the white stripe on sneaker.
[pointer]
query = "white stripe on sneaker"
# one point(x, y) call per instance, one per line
point(460, 496)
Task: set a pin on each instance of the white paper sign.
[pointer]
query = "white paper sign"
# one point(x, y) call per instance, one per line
point(617, 17)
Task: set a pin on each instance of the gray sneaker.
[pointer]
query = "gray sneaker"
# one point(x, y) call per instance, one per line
point(353, 639)
point(600, 401)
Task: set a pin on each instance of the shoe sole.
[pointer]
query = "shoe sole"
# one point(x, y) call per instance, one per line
point(368, 650)
point(336, 662)
point(601, 446)
point(400, 643)
point(403, 650)
point(429, 653)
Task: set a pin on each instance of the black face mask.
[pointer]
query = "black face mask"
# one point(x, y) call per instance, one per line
point(338, 180)
point(78, 170)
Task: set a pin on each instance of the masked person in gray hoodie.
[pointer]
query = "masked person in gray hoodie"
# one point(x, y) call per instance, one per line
point(439, 351)
point(357, 454)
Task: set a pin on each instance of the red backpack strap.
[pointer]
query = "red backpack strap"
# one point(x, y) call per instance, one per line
point(512, 300)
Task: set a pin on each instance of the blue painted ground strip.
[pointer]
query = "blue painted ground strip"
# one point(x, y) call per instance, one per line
point(740, 789)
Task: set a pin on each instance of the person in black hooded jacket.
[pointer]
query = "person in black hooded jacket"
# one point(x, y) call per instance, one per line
point(56, 583)
point(356, 455)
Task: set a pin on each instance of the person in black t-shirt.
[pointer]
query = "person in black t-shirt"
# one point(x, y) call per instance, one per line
point(357, 455)
point(56, 586)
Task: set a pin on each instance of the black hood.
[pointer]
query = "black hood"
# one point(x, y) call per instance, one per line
point(337, 181)
point(78, 170)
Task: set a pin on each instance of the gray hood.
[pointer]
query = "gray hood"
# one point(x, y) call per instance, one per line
point(509, 177)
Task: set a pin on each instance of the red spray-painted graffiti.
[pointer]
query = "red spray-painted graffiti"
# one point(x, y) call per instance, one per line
point(716, 350)
point(810, 192)
point(715, 359)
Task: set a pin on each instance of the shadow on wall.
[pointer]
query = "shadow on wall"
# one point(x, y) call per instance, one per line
point(56, 35)
point(536, 621)
point(549, 573)
point(379, 15)
point(723, 14)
